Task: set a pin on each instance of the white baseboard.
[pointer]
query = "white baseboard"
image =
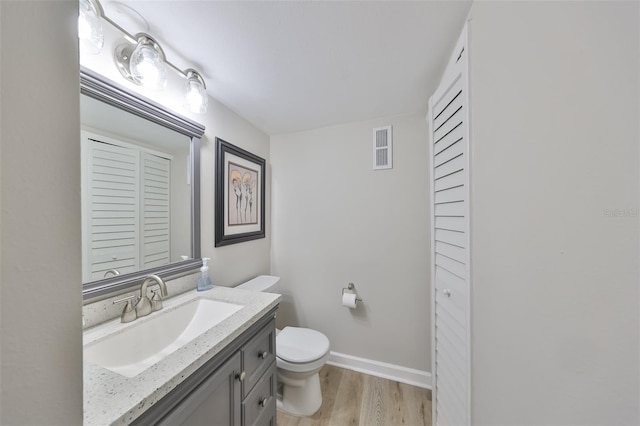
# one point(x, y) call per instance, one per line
point(400, 374)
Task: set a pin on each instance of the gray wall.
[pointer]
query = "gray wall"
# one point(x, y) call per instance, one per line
point(336, 221)
point(554, 107)
point(40, 299)
point(234, 264)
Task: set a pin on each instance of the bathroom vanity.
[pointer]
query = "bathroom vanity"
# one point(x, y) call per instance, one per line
point(225, 375)
point(235, 387)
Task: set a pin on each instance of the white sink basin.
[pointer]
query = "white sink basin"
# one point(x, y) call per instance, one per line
point(142, 345)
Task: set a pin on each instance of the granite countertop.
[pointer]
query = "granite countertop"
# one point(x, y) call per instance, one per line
point(110, 398)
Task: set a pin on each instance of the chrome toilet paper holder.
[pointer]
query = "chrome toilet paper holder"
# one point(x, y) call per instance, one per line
point(351, 288)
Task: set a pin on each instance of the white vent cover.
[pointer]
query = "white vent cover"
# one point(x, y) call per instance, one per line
point(382, 148)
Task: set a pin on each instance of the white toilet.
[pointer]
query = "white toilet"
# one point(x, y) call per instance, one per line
point(300, 354)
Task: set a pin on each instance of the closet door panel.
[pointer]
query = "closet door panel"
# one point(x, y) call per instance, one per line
point(449, 150)
point(156, 220)
point(111, 213)
point(126, 196)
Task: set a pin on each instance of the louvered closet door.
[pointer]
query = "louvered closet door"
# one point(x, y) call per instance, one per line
point(449, 152)
point(111, 186)
point(156, 179)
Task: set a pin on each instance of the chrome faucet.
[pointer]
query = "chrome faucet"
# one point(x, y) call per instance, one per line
point(144, 307)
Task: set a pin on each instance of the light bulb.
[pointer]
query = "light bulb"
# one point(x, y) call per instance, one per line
point(90, 31)
point(147, 65)
point(195, 96)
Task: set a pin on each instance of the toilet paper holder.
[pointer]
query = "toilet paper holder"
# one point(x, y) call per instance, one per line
point(351, 288)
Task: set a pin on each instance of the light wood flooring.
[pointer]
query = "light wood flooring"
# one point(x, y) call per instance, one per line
point(351, 398)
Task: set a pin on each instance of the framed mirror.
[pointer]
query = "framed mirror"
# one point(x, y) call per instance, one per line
point(140, 189)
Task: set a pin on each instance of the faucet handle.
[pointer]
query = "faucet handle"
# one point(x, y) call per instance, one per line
point(129, 312)
point(156, 301)
point(143, 307)
point(125, 299)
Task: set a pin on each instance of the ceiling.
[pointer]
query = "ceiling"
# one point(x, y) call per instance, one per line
point(288, 66)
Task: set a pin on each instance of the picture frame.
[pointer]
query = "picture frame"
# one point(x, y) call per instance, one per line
point(239, 195)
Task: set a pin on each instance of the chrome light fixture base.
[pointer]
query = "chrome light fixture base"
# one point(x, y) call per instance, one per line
point(122, 58)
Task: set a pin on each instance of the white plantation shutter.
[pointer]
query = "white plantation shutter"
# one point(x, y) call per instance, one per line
point(449, 151)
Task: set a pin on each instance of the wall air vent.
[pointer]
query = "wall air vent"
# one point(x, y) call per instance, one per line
point(382, 148)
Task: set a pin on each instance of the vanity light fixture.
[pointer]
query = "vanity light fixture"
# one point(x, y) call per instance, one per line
point(140, 59)
point(143, 64)
point(90, 31)
point(195, 92)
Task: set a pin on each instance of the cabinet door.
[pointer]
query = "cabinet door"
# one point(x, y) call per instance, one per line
point(215, 402)
point(257, 356)
point(259, 407)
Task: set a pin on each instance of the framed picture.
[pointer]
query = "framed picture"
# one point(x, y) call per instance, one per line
point(239, 197)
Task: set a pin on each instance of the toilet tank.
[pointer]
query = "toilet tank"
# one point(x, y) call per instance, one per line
point(266, 283)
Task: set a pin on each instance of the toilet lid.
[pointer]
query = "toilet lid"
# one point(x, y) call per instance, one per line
point(295, 344)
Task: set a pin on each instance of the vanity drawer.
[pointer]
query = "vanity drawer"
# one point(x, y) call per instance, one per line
point(259, 407)
point(257, 356)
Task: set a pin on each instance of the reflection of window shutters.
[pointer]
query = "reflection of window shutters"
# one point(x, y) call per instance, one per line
point(382, 148)
point(110, 196)
point(125, 207)
point(156, 174)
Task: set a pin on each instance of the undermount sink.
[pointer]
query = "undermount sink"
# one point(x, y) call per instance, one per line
point(142, 345)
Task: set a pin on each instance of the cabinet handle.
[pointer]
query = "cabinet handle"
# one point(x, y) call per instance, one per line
point(263, 402)
point(240, 376)
point(263, 355)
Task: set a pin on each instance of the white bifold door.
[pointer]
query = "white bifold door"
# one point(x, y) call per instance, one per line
point(126, 205)
point(449, 164)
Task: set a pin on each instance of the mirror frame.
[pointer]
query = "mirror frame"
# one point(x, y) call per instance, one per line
point(105, 90)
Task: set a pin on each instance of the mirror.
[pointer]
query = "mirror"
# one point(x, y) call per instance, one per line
point(140, 189)
point(135, 192)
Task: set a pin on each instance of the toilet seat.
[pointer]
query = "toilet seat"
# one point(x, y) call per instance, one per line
point(297, 345)
point(302, 367)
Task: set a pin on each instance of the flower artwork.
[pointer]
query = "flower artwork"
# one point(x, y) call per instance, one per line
point(240, 195)
point(242, 183)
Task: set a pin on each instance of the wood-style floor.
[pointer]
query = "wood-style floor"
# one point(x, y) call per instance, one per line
point(351, 398)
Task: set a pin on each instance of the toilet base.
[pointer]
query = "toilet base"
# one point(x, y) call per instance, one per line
point(301, 397)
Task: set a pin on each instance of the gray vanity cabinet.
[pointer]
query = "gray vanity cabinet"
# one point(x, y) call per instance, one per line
point(215, 402)
point(236, 387)
point(259, 385)
point(257, 355)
